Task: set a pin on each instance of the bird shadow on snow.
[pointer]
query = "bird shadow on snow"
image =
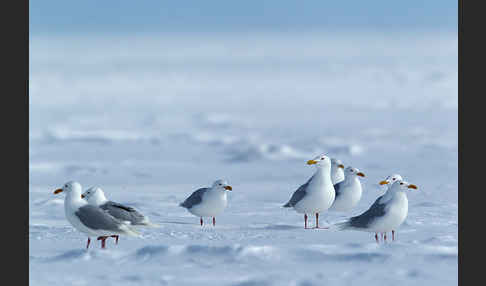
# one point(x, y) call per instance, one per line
point(70, 255)
point(253, 283)
point(150, 251)
point(84, 254)
point(275, 227)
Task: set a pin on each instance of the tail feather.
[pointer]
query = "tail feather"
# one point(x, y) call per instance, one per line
point(129, 230)
point(149, 224)
point(342, 225)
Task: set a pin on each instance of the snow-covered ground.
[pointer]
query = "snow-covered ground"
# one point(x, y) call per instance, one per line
point(152, 118)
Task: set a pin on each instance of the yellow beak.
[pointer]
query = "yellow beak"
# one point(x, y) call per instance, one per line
point(341, 166)
point(82, 196)
point(384, 182)
point(229, 188)
point(412, 186)
point(311, 162)
point(57, 191)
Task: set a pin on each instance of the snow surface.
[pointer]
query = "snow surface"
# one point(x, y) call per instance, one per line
point(151, 119)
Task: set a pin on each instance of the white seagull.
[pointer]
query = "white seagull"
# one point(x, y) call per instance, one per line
point(383, 216)
point(208, 202)
point(96, 197)
point(388, 181)
point(90, 219)
point(317, 194)
point(348, 192)
point(337, 174)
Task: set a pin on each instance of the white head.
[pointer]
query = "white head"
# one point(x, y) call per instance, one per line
point(94, 195)
point(221, 185)
point(336, 163)
point(391, 179)
point(402, 186)
point(71, 187)
point(320, 161)
point(352, 172)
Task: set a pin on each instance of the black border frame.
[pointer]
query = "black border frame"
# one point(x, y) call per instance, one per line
point(15, 155)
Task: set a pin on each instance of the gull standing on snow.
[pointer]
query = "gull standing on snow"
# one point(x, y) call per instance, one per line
point(388, 181)
point(208, 202)
point(337, 174)
point(383, 215)
point(96, 197)
point(348, 192)
point(90, 219)
point(317, 194)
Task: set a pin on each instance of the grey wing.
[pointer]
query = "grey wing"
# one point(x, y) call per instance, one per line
point(194, 199)
point(298, 195)
point(337, 188)
point(123, 213)
point(95, 218)
point(365, 219)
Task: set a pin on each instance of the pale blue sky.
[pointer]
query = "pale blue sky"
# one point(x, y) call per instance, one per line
point(54, 17)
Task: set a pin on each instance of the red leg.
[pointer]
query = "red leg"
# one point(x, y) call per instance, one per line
point(102, 238)
point(201, 221)
point(376, 238)
point(305, 221)
point(317, 223)
point(87, 245)
point(385, 236)
point(214, 221)
point(393, 235)
point(116, 238)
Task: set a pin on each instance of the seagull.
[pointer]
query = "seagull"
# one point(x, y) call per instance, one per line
point(90, 219)
point(208, 202)
point(389, 181)
point(337, 174)
point(317, 194)
point(383, 216)
point(348, 192)
point(96, 197)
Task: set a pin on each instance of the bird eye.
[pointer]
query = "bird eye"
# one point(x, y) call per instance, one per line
point(401, 183)
point(394, 179)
